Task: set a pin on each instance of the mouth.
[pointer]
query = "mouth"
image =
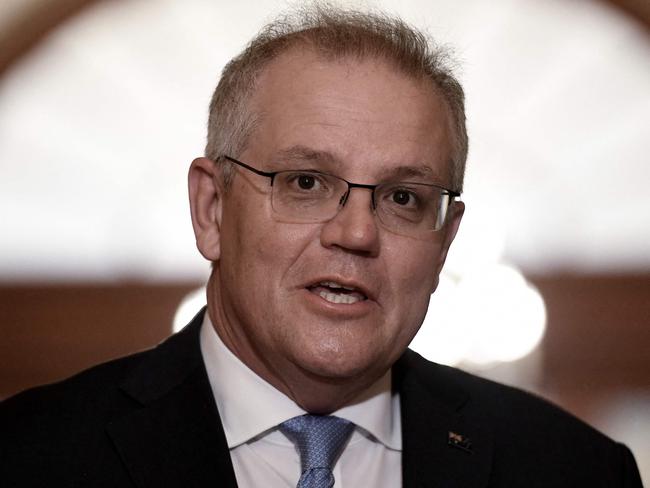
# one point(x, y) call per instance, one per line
point(339, 293)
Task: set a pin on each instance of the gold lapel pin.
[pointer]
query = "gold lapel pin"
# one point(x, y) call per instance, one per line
point(460, 441)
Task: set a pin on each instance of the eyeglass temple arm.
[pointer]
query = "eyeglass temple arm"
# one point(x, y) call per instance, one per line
point(250, 168)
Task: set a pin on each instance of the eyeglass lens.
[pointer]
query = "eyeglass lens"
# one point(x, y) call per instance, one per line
point(406, 208)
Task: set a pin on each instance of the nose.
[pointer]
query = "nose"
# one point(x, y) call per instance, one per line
point(354, 227)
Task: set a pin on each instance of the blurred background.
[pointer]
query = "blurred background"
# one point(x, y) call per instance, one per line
point(103, 104)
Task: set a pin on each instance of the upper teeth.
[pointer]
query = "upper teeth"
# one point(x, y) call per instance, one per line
point(333, 284)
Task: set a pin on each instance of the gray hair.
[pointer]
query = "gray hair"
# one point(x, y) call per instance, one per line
point(334, 34)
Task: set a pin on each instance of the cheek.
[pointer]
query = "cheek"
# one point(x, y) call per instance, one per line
point(413, 268)
point(263, 252)
point(246, 227)
point(412, 277)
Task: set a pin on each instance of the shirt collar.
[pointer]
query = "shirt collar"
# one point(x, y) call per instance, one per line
point(239, 393)
point(377, 412)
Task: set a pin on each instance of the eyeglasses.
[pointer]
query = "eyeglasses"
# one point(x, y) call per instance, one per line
point(406, 208)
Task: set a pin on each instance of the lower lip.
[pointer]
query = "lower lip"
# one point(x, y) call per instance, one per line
point(349, 310)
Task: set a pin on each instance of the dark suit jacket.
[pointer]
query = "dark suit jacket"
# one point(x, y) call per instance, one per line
point(150, 420)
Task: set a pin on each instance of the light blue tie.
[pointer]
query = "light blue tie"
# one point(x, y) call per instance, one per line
point(320, 440)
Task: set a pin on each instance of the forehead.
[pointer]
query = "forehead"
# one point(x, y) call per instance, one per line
point(364, 113)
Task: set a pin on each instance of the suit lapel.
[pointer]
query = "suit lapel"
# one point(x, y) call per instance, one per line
point(443, 446)
point(174, 437)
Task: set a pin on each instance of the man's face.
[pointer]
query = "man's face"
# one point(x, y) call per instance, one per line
point(367, 123)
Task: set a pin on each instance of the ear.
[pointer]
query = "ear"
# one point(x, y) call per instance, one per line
point(449, 231)
point(206, 203)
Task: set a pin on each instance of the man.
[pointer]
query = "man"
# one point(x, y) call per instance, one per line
point(327, 204)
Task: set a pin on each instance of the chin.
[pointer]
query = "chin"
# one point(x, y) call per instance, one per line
point(338, 366)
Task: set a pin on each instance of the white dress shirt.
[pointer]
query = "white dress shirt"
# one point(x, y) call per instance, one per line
point(251, 410)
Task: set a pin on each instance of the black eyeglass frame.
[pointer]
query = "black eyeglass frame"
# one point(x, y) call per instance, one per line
point(272, 174)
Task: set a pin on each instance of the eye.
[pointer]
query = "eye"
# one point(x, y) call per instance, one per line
point(401, 197)
point(306, 182)
point(404, 198)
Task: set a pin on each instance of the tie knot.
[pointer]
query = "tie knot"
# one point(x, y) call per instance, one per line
point(319, 438)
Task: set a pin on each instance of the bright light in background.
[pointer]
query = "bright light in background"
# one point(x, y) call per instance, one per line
point(507, 314)
point(188, 308)
point(442, 338)
point(487, 316)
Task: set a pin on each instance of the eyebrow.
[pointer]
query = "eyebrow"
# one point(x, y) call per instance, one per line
point(400, 172)
point(304, 154)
